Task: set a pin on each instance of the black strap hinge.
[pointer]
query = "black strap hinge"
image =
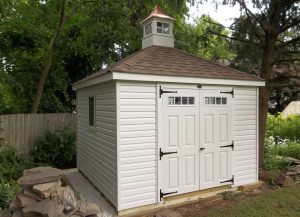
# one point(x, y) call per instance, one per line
point(229, 92)
point(161, 91)
point(165, 153)
point(229, 180)
point(226, 146)
point(161, 194)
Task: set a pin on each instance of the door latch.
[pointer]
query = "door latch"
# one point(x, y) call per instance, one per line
point(201, 149)
point(165, 153)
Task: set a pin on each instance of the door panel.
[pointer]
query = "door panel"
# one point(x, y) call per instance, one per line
point(180, 134)
point(215, 132)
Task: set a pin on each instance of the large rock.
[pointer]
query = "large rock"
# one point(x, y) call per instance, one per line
point(24, 200)
point(44, 208)
point(67, 197)
point(88, 209)
point(6, 213)
point(18, 213)
point(285, 180)
point(46, 189)
point(40, 175)
point(92, 209)
point(29, 193)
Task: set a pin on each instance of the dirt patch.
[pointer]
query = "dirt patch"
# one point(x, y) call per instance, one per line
point(203, 207)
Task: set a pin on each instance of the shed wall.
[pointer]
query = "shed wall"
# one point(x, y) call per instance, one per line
point(137, 144)
point(245, 123)
point(97, 146)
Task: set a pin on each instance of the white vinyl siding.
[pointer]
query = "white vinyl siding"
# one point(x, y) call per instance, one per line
point(245, 135)
point(97, 145)
point(137, 144)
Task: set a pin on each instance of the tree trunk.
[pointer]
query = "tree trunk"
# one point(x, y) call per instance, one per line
point(264, 92)
point(48, 64)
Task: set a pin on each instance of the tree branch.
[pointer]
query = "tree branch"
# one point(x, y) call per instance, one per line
point(283, 28)
point(235, 39)
point(76, 8)
point(287, 60)
point(294, 40)
point(243, 4)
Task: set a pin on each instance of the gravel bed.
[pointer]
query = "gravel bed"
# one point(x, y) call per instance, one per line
point(88, 192)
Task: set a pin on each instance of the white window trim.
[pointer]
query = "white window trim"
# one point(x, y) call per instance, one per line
point(92, 128)
point(162, 28)
point(145, 34)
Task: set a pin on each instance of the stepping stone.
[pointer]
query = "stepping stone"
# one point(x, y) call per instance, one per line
point(40, 175)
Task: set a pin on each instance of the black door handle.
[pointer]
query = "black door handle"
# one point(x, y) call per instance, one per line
point(201, 149)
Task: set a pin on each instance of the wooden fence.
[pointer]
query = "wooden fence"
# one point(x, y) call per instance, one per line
point(22, 131)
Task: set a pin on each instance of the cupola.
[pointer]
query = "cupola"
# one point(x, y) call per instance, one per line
point(158, 29)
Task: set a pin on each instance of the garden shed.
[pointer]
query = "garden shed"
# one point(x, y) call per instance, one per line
point(162, 122)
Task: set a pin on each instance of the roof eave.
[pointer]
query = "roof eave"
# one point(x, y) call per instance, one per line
point(130, 76)
point(185, 79)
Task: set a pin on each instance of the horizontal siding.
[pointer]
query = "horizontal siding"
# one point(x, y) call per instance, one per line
point(245, 136)
point(97, 147)
point(137, 144)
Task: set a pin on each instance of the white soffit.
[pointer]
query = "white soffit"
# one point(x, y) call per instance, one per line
point(164, 78)
point(182, 79)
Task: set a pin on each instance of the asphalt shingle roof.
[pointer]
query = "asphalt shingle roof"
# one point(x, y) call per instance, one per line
point(158, 60)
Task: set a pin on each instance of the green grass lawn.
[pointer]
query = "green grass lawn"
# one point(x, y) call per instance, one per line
point(283, 202)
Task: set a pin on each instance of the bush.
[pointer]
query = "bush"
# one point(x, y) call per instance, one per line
point(13, 164)
point(7, 193)
point(11, 169)
point(283, 129)
point(275, 163)
point(290, 149)
point(56, 148)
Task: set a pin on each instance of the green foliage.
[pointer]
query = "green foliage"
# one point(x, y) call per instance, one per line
point(275, 163)
point(196, 39)
point(13, 164)
point(11, 168)
point(283, 129)
point(282, 139)
point(7, 193)
point(56, 148)
point(278, 203)
point(290, 149)
point(99, 33)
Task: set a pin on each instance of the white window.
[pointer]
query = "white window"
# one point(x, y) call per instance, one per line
point(92, 111)
point(148, 28)
point(185, 100)
point(215, 100)
point(163, 28)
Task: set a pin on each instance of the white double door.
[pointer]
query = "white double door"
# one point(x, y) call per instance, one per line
point(195, 125)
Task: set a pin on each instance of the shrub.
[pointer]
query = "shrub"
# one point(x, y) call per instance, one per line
point(283, 129)
point(7, 193)
point(13, 164)
point(56, 148)
point(11, 169)
point(290, 149)
point(275, 163)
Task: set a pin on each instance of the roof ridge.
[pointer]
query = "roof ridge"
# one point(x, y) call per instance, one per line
point(227, 67)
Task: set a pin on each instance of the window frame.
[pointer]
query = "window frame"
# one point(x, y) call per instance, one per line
point(90, 111)
point(212, 101)
point(145, 29)
point(162, 28)
point(191, 100)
